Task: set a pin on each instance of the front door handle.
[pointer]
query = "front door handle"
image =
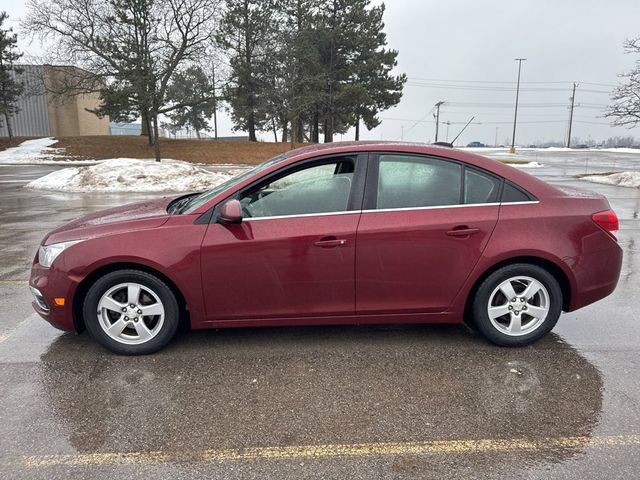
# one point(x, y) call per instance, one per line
point(462, 231)
point(330, 242)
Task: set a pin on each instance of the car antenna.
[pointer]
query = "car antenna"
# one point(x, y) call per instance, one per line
point(463, 129)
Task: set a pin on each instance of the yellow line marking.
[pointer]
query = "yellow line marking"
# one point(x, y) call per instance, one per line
point(14, 282)
point(332, 450)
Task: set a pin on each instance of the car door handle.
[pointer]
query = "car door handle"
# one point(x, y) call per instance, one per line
point(330, 242)
point(462, 231)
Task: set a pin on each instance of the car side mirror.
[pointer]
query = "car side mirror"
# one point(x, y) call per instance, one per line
point(230, 212)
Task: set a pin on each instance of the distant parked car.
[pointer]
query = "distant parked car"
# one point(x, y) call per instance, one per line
point(476, 145)
point(350, 233)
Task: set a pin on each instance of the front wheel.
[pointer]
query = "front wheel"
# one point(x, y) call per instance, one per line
point(131, 312)
point(517, 305)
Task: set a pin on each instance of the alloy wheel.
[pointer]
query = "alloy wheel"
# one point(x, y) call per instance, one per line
point(518, 306)
point(131, 313)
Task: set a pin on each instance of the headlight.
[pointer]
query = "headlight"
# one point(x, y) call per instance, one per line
point(48, 253)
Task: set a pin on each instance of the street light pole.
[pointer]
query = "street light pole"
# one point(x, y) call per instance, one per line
point(573, 102)
point(438, 117)
point(515, 115)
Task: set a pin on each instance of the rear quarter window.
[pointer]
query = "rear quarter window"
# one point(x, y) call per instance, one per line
point(511, 194)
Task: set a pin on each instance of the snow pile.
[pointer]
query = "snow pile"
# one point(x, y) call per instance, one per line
point(131, 175)
point(622, 179)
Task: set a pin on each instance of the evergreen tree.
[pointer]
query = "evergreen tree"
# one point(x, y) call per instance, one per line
point(247, 32)
point(11, 87)
point(188, 88)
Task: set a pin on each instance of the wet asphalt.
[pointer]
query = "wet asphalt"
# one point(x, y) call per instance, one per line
point(332, 402)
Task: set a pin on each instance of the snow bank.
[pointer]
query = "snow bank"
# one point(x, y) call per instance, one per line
point(38, 152)
point(131, 175)
point(622, 179)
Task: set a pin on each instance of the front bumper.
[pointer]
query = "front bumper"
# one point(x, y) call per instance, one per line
point(47, 284)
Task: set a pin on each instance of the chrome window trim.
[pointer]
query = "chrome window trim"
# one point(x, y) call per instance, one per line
point(403, 209)
point(302, 215)
point(526, 202)
point(439, 207)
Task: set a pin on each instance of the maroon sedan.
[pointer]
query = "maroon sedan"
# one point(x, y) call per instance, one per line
point(335, 234)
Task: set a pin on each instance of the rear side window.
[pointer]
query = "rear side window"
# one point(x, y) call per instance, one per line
point(511, 193)
point(406, 181)
point(480, 187)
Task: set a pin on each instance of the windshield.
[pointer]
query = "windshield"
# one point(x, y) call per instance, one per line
point(204, 197)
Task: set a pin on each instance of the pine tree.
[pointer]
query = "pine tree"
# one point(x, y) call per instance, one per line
point(188, 88)
point(247, 32)
point(11, 88)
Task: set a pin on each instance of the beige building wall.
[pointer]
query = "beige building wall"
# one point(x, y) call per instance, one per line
point(68, 116)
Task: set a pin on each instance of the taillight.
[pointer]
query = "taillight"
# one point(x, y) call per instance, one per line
point(607, 220)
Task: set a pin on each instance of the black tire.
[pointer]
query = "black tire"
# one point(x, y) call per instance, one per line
point(483, 295)
point(168, 301)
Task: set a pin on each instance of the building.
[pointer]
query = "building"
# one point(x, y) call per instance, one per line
point(45, 114)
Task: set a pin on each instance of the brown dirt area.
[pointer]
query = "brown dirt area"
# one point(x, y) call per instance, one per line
point(195, 151)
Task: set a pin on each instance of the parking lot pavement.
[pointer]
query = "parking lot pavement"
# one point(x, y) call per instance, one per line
point(331, 402)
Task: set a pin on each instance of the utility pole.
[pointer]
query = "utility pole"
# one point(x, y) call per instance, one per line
point(447, 123)
point(495, 142)
point(438, 117)
point(515, 115)
point(573, 102)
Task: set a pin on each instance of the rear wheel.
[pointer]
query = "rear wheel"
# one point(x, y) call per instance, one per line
point(131, 312)
point(517, 305)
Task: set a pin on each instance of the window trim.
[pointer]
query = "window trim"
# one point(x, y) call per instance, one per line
point(356, 195)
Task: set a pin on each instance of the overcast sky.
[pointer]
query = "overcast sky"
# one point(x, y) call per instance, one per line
point(462, 52)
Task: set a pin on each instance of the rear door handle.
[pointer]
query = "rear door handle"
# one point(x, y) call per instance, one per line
point(463, 231)
point(330, 242)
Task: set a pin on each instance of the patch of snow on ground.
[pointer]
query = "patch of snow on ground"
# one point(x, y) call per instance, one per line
point(37, 152)
point(131, 175)
point(622, 179)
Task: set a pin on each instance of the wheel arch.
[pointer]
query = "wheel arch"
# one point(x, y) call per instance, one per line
point(553, 268)
point(90, 279)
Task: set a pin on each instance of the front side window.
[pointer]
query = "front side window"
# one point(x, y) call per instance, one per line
point(408, 181)
point(321, 188)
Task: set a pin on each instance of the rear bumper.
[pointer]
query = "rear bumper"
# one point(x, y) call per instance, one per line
point(596, 275)
point(47, 284)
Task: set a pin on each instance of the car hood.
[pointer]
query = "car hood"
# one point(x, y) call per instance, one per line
point(134, 216)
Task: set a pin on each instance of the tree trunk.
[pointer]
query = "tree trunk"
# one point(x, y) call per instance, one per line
point(156, 137)
point(215, 123)
point(251, 126)
point(275, 130)
point(7, 120)
point(299, 130)
point(198, 133)
point(146, 127)
point(315, 127)
point(285, 132)
point(328, 131)
point(357, 128)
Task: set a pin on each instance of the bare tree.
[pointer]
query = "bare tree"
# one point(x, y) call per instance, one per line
point(625, 109)
point(130, 49)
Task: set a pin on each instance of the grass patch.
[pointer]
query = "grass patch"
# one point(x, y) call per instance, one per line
point(188, 150)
